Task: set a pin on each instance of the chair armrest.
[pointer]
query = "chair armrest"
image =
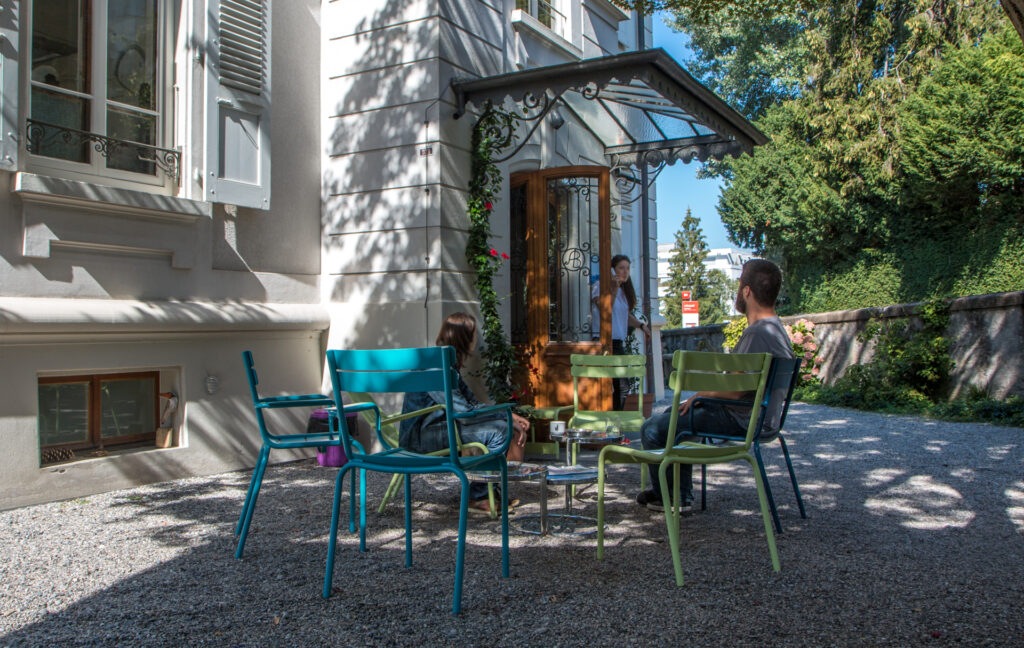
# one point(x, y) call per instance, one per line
point(303, 400)
point(722, 401)
point(395, 418)
point(484, 410)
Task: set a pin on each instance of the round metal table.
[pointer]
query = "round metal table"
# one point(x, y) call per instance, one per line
point(522, 472)
point(570, 475)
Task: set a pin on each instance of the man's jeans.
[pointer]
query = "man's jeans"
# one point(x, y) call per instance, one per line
point(707, 418)
point(490, 431)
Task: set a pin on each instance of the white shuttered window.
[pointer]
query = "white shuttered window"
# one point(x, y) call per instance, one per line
point(237, 160)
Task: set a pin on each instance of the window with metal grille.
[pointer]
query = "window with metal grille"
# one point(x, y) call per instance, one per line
point(81, 414)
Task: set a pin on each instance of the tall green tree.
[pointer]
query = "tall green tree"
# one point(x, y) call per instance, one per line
point(719, 294)
point(686, 269)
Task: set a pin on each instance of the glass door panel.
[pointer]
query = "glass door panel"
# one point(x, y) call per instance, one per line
point(573, 240)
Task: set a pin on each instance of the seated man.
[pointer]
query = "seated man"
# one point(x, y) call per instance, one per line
point(759, 287)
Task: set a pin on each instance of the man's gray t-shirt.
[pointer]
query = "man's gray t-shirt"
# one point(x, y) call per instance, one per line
point(766, 335)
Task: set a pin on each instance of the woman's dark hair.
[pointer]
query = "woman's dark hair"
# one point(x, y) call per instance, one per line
point(458, 330)
point(627, 287)
point(764, 279)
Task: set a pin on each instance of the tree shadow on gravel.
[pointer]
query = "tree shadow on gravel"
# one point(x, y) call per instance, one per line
point(913, 536)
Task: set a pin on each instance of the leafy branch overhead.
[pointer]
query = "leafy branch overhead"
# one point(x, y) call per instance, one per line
point(895, 141)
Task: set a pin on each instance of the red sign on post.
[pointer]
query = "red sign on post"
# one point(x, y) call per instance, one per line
point(691, 312)
point(686, 295)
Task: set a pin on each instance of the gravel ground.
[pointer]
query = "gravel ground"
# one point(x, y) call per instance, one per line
point(914, 535)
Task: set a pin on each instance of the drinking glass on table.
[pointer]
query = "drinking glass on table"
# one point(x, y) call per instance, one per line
point(611, 430)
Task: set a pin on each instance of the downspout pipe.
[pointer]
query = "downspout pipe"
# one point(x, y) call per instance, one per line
point(645, 226)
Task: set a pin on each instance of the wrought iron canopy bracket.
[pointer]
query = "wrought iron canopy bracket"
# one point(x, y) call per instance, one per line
point(40, 133)
point(637, 91)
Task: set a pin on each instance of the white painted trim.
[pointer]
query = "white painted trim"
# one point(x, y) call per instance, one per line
point(42, 189)
point(28, 315)
point(522, 21)
point(611, 11)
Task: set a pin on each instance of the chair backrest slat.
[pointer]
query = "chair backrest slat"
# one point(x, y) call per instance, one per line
point(381, 382)
point(631, 371)
point(699, 371)
point(585, 359)
point(606, 366)
point(393, 371)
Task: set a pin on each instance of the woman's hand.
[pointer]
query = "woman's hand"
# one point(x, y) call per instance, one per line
point(646, 329)
point(521, 425)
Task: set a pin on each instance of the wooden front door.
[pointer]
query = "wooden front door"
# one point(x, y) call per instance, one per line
point(561, 240)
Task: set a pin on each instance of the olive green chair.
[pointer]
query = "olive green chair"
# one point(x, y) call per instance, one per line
point(696, 371)
point(389, 436)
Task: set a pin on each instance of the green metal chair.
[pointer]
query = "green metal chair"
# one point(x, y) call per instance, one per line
point(784, 374)
point(696, 371)
point(603, 367)
point(389, 439)
point(403, 371)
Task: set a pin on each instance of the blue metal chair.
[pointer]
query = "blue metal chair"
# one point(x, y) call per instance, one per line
point(404, 371)
point(271, 441)
point(782, 372)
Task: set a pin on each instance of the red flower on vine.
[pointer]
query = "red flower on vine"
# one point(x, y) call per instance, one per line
point(488, 205)
point(494, 252)
point(505, 256)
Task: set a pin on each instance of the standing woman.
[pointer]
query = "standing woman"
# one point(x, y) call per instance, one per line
point(429, 432)
point(623, 303)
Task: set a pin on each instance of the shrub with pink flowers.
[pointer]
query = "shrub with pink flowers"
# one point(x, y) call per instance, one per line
point(805, 347)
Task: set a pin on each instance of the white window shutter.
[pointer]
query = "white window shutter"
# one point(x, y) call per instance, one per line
point(10, 129)
point(237, 167)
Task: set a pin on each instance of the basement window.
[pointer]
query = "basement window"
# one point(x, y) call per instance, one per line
point(91, 415)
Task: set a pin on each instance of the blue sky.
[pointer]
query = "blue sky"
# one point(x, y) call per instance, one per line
point(678, 186)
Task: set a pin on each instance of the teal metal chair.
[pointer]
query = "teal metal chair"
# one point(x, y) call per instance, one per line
point(404, 371)
point(271, 441)
point(784, 372)
point(389, 438)
point(695, 371)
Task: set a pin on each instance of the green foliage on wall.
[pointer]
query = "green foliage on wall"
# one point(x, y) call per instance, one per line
point(908, 370)
point(492, 133)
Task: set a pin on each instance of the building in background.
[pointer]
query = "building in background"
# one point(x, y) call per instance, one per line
point(728, 260)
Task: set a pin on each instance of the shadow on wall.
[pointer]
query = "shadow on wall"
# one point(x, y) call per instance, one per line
point(389, 226)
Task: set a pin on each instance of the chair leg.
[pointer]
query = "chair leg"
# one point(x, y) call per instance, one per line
point(763, 501)
point(703, 487)
point(643, 477)
point(490, 500)
point(767, 487)
point(792, 478)
point(600, 503)
point(362, 510)
point(672, 521)
point(333, 541)
point(408, 520)
point(257, 480)
point(676, 504)
point(460, 550)
point(352, 503)
point(396, 482)
point(248, 498)
point(504, 519)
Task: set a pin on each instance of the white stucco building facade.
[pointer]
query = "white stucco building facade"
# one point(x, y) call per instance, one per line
point(183, 180)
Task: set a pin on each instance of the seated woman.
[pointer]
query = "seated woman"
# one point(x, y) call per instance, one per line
point(429, 432)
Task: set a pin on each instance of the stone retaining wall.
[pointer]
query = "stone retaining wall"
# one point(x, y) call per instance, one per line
point(987, 334)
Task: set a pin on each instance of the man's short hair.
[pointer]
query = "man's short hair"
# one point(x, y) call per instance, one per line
point(764, 279)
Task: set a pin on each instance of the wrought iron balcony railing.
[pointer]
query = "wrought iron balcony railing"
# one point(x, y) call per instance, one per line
point(40, 134)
